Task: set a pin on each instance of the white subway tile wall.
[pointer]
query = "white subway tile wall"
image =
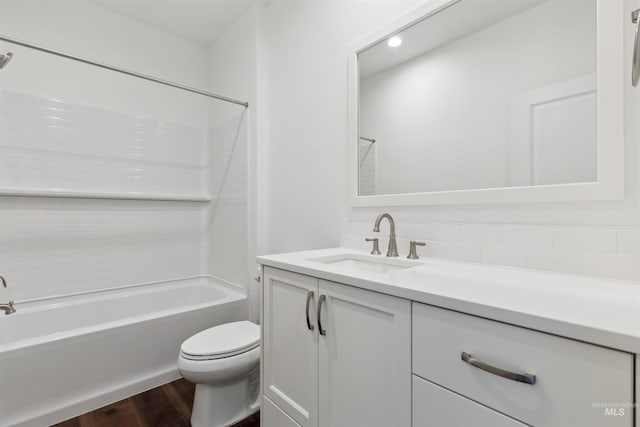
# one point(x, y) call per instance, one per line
point(612, 265)
point(461, 251)
point(555, 260)
point(597, 251)
point(527, 236)
point(629, 241)
point(585, 239)
point(52, 144)
point(505, 255)
point(227, 218)
point(52, 246)
point(486, 234)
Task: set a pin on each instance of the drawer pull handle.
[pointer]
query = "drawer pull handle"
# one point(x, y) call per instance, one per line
point(309, 297)
point(635, 65)
point(523, 378)
point(320, 302)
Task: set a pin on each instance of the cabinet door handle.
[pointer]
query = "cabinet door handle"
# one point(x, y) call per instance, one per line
point(309, 298)
point(320, 302)
point(523, 378)
point(635, 66)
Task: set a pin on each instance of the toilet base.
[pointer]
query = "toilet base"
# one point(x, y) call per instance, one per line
point(225, 404)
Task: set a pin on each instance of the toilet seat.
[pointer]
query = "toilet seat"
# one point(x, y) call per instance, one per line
point(222, 341)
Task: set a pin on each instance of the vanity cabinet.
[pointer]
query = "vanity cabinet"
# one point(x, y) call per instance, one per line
point(571, 379)
point(334, 355)
point(337, 355)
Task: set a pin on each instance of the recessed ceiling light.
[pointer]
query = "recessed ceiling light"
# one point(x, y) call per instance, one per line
point(394, 41)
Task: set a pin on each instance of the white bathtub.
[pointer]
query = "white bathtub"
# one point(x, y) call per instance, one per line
point(63, 356)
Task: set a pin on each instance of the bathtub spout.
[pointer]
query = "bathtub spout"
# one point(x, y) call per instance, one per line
point(8, 308)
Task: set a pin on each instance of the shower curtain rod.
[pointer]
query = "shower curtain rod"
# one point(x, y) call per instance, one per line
point(122, 71)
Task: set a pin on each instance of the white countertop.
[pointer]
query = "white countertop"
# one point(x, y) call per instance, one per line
point(595, 310)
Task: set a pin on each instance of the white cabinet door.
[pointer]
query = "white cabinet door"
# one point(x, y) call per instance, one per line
point(290, 347)
point(436, 406)
point(272, 416)
point(365, 358)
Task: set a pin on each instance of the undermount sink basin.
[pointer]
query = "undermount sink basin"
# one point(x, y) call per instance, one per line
point(368, 263)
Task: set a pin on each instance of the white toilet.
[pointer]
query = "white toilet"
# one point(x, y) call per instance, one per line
point(224, 363)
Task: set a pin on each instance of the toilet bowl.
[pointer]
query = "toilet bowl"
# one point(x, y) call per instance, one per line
point(224, 363)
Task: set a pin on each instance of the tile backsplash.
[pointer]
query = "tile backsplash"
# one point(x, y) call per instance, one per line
point(596, 251)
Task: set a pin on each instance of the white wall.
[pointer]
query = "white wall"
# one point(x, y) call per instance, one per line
point(231, 218)
point(83, 29)
point(304, 80)
point(118, 134)
point(307, 44)
point(442, 119)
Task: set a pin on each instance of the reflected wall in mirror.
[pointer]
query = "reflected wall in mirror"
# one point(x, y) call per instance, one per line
point(482, 94)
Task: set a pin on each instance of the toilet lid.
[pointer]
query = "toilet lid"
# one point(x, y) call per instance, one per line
point(224, 340)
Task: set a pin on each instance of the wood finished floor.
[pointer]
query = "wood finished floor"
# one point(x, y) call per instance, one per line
point(165, 406)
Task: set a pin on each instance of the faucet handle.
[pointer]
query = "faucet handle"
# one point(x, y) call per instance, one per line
point(376, 249)
point(413, 254)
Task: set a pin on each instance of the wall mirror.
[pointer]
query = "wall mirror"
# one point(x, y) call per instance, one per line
point(489, 101)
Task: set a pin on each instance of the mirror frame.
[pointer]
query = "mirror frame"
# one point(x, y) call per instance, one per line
point(610, 124)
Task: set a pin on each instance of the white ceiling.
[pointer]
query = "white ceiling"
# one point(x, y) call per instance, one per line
point(200, 21)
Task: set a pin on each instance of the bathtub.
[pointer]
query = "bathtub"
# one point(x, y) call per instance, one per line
point(63, 356)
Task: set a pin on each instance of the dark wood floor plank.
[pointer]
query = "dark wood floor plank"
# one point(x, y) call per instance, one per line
point(119, 414)
point(84, 420)
point(73, 422)
point(154, 409)
point(181, 393)
point(251, 421)
point(165, 406)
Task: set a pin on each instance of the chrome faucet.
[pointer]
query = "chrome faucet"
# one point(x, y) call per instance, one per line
point(393, 247)
point(8, 308)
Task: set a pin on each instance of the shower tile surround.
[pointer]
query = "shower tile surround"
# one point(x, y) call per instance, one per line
point(58, 246)
point(597, 251)
point(52, 246)
point(50, 143)
point(227, 218)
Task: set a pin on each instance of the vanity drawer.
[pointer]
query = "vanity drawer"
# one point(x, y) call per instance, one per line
point(436, 406)
point(571, 377)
